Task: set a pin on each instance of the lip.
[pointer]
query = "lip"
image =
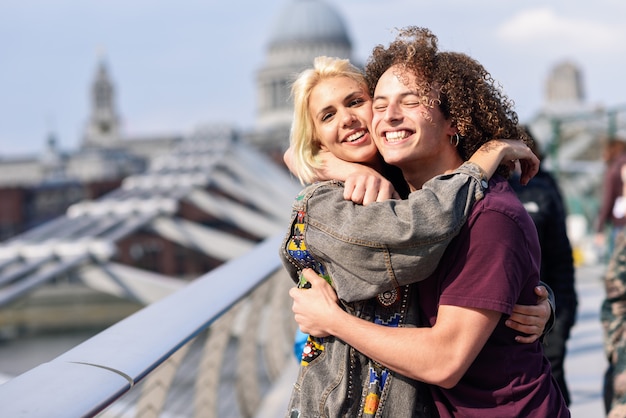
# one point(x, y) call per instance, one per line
point(360, 140)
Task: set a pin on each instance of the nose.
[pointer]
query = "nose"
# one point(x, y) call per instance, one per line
point(348, 119)
point(392, 112)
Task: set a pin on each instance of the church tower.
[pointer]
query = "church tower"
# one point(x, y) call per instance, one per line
point(103, 127)
point(303, 30)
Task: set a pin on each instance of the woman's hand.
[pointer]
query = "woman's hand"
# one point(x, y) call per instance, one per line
point(507, 151)
point(531, 319)
point(368, 186)
point(515, 150)
point(316, 306)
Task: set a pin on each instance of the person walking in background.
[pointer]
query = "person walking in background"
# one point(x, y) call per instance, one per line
point(613, 317)
point(543, 201)
point(612, 216)
point(613, 311)
point(612, 213)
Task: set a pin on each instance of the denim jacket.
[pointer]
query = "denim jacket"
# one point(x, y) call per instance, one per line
point(377, 254)
point(378, 261)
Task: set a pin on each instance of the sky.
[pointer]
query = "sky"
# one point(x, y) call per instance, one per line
point(177, 65)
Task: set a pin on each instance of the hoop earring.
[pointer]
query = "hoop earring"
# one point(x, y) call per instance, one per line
point(455, 139)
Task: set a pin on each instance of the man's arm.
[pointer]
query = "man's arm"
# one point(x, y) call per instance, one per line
point(533, 320)
point(439, 355)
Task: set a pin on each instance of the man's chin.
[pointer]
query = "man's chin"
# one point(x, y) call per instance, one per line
point(392, 158)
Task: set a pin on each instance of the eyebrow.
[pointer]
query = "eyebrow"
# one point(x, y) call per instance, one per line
point(349, 96)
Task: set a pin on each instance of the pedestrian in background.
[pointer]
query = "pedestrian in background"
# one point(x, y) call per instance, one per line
point(613, 316)
point(612, 213)
point(613, 311)
point(544, 203)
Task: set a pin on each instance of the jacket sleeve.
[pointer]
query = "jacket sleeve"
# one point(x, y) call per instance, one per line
point(375, 248)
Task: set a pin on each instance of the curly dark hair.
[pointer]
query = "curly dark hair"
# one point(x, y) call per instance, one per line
point(466, 93)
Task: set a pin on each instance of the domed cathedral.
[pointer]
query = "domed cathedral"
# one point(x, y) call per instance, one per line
point(303, 30)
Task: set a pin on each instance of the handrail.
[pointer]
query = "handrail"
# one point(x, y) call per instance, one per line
point(86, 379)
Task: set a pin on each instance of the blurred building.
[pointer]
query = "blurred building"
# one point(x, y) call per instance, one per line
point(572, 135)
point(37, 188)
point(302, 31)
point(133, 218)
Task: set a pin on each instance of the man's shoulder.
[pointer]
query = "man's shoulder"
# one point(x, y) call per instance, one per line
point(500, 197)
point(499, 190)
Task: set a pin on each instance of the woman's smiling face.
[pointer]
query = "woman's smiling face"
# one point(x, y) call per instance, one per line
point(341, 110)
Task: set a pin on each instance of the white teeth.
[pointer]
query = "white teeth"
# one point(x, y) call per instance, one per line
point(396, 135)
point(355, 136)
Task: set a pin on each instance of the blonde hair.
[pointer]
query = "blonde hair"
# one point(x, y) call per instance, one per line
point(303, 139)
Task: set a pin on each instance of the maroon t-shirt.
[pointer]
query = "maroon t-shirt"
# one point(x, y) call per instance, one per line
point(493, 264)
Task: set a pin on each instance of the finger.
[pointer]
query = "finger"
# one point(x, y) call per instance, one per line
point(531, 332)
point(524, 322)
point(530, 168)
point(525, 311)
point(541, 292)
point(310, 274)
point(386, 192)
point(358, 195)
point(526, 340)
point(525, 177)
point(375, 190)
point(371, 194)
point(348, 188)
point(315, 280)
point(354, 190)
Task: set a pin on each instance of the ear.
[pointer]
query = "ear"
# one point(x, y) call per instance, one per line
point(452, 129)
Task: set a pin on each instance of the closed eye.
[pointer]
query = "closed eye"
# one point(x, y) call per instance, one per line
point(411, 100)
point(380, 105)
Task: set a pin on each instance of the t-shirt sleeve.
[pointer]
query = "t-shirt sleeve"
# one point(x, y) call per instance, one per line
point(494, 272)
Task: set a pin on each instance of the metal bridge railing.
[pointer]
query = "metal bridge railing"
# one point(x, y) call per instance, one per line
point(212, 349)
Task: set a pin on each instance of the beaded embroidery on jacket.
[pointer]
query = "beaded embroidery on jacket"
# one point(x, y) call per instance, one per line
point(388, 309)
